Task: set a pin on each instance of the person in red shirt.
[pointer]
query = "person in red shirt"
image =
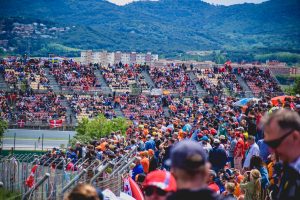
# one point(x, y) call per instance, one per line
point(211, 182)
point(239, 151)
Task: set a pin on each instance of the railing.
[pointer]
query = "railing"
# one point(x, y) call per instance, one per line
point(52, 180)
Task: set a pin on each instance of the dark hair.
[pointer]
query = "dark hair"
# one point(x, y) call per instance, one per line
point(256, 162)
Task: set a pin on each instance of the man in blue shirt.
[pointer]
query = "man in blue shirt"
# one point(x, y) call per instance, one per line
point(138, 168)
point(150, 143)
point(263, 150)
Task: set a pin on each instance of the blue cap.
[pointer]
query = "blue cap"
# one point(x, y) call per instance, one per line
point(204, 138)
point(187, 155)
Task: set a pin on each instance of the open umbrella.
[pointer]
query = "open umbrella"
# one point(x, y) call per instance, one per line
point(244, 101)
point(282, 99)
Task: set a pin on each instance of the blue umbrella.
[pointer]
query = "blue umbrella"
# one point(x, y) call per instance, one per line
point(244, 101)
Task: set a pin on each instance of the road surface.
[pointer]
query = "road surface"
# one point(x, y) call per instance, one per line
point(29, 139)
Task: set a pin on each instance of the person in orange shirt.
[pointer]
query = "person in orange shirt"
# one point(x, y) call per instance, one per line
point(103, 144)
point(145, 161)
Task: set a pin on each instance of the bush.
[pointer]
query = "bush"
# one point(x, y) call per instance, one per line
point(98, 127)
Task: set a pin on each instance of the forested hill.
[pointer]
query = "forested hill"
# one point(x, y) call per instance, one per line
point(166, 26)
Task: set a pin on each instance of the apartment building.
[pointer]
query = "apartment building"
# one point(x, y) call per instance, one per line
point(105, 58)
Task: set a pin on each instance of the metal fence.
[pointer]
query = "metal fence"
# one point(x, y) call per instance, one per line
point(52, 180)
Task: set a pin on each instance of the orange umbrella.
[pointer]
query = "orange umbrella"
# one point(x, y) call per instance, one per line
point(275, 100)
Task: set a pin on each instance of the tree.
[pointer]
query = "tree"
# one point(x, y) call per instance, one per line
point(98, 127)
point(297, 86)
point(3, 127)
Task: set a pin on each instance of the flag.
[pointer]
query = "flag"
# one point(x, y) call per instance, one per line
point(55, 123)
point(21, 123)
point(30, 180)
point(127, 188)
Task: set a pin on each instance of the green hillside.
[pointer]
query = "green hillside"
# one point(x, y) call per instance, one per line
point(168, 27)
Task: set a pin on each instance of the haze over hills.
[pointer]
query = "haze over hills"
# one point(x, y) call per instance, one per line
point(165, 26)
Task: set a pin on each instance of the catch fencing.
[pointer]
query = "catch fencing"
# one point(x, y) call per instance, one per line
point(52, 177)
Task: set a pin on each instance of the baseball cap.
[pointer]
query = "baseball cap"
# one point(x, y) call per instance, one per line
point(216, 141)
point(187, 155)
point(204, 138)
point(161, 179)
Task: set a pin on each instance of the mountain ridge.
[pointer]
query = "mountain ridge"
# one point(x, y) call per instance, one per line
point(166, 27)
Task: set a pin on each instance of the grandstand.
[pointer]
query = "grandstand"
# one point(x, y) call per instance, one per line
point(73, 90)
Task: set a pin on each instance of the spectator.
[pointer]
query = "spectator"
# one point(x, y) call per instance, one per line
point(211, 182)
point(145, 161)
point(217, 156)
point(150, 144)
point(232, 147)
point(282, 135)
point(251, 185)
point(153, 161)
point(138, 168)
point(229, 193)
point(78, 150)
point(257, 163)
point(263, 150)
point(252, 151)
point(191, 170)
point(83, 192)
point(159, 185)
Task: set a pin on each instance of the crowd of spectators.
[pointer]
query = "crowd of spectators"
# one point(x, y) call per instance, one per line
point(175, 79)
point(119, 77)
point(30, 73)
point(260, 81)
point(90, 106)
point(74, 76)
point(40, 107)
point(215, 153)
point(140, 107)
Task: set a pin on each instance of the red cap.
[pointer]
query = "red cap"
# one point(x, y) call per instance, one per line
point(161, 179)
point(213, 131)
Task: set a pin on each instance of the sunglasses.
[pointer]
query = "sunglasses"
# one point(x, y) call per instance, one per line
point(275, 143)
point(151, 190)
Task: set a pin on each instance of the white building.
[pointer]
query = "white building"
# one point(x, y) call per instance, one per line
point(111, 58)
point(86, 57)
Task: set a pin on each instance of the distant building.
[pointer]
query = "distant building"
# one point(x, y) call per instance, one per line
point(105, 58)
point(86, 57)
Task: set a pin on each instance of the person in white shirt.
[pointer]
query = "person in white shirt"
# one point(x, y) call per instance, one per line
point(253, 151)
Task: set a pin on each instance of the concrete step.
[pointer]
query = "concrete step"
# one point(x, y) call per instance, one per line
point(148, 79)
point(200, 91)
point(64, 103)
point(104, 86)
point(53, 83)
point(242, 82)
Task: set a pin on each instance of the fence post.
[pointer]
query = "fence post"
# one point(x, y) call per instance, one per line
point(47, 175)
point(73, 180)
point(100, 172)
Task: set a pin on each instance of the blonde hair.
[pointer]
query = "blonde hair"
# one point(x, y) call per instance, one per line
point(230, 187)
point(255, 174)
point(82, 192)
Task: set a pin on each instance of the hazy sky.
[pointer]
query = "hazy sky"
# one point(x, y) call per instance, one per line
point(221, 2)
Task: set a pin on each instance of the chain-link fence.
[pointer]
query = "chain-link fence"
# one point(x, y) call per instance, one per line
point(44, 177)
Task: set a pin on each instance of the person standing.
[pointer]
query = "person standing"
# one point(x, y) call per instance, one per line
point(232, 146)
point(282, 135)
point(217, 156)
point(252, 151)
point(190, 167)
